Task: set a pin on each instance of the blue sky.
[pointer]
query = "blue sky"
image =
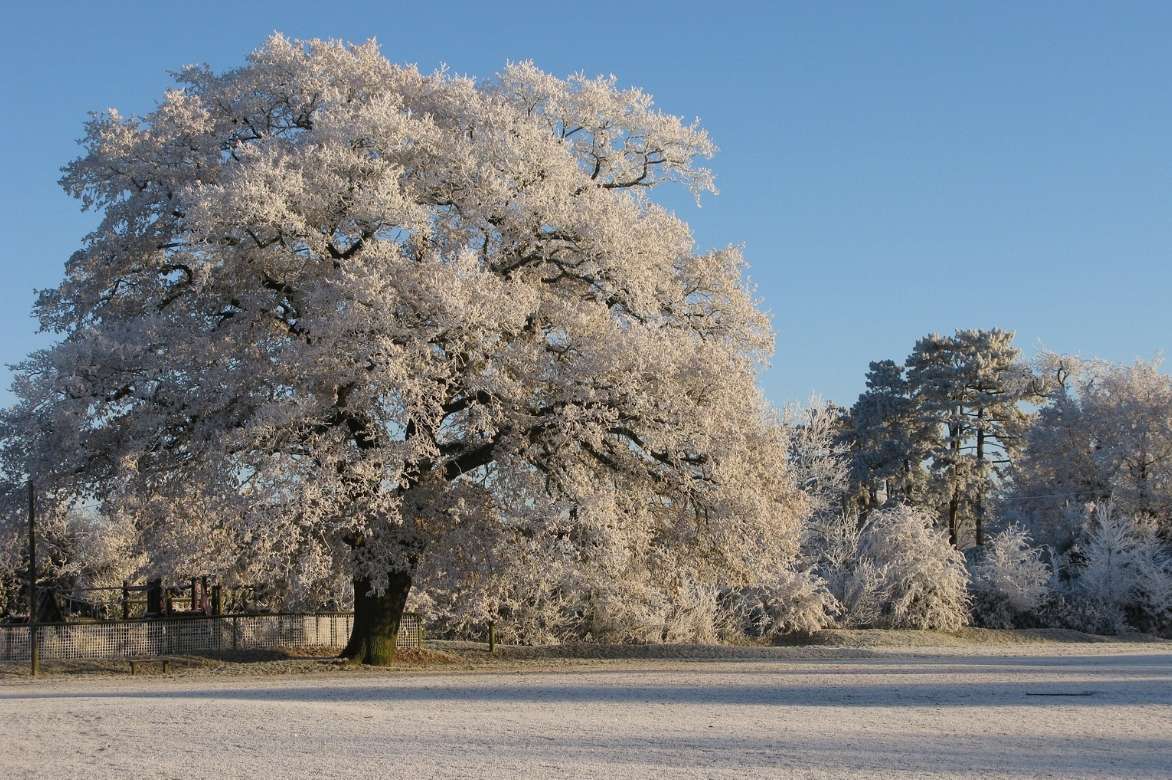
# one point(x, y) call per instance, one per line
point(891, 168)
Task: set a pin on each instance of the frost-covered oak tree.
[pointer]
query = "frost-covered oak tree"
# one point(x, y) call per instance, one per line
point(342, 316)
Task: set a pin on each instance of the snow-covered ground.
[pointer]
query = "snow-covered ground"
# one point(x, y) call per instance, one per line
point(1108, 712)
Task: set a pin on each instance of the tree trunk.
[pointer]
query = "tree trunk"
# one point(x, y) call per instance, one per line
point(979, 521)
point(376, 620)
point(954, 433)
point(953, 506)
point(979, 509)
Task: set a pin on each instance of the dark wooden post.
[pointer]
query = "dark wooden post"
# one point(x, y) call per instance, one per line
point(491, 637)
point(217, 604)
point(194, 594)
point(125, 599)
point(154, 597)
point(33, 647)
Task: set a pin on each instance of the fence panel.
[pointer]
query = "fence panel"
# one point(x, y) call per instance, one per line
point(189, 636)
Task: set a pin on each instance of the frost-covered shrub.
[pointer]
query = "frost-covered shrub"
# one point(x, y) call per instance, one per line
point(632, 614)
point(695, 615)
point(1155, 592)
point(861, 595)
point(527, 585)
point(75, 549)
point(795, 602)
point(856, 582)
point(684, 612)
point(924, 579)
point(1011, 581)
point(1125, 581)
point(896, 570)
point(541, 588)
point(11, 563)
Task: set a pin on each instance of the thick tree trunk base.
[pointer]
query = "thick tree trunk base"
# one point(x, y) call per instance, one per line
point(376, 621)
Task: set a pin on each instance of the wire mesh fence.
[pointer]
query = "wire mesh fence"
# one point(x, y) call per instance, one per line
point(190, 636)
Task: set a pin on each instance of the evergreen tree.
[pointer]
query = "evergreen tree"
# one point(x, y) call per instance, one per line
point(888, 444)
point(997, 383)
point(969, 387)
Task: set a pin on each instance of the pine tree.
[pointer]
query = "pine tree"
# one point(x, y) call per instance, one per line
point(888, 444)
point(933, 373)
point(997, 382)
point(970, 387)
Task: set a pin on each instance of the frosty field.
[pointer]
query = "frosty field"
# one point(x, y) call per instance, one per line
point(1043, 710)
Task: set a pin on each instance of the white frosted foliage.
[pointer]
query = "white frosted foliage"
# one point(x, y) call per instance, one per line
point(924, 577)
point(341, 318)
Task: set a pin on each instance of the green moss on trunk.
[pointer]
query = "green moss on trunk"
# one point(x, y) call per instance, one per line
point(376, 620)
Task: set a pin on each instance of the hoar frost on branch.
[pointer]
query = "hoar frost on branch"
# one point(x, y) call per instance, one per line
point(343, 317)
point(922, 575)
point(1104, 438)
point(75, 549)
point(1124, 580)
point(1011, 580)
point(888, 567)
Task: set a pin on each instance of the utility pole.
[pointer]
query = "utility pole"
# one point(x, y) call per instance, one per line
point(34, 649)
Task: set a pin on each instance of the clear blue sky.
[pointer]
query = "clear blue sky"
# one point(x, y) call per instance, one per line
point(892, 168)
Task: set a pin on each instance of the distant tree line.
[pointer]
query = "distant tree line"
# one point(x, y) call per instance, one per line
point(1054, 477)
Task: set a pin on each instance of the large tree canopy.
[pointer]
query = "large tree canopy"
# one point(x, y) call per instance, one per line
point(1104, 439)
point(342, 316)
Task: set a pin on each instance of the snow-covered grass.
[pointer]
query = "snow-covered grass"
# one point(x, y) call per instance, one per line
point(1023, 709)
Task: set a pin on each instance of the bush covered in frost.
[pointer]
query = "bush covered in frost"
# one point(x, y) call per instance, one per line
point(1124, 579)
point(922, 577)
point(797, 602)
point(1010, 581)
